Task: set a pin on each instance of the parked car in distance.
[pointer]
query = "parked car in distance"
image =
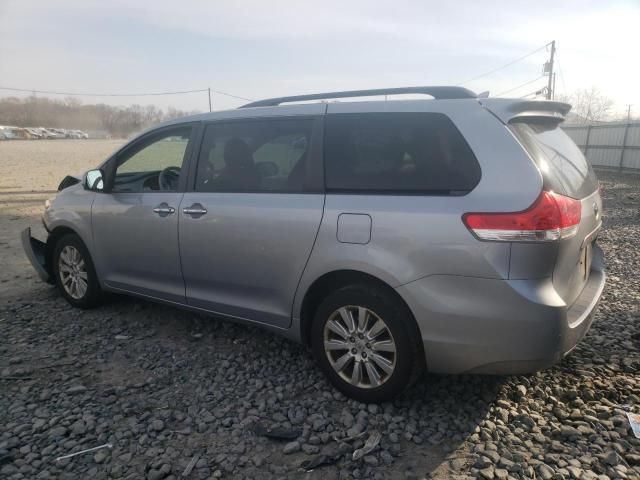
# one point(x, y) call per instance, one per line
point(9, 133)
point(78, 134)
point(23, 133)
point(59, 133)
point(34, 133)
point(42, 131)
point(454, 234)
point(48, 134)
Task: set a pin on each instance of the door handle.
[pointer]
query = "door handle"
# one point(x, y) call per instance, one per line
point(196, 210)
point(164, 209)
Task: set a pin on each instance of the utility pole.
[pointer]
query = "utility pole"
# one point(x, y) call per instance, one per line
point(628, 113)
point(209, 89)
point(550, 86)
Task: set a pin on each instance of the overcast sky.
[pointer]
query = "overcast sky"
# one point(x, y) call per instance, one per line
point(258, 49)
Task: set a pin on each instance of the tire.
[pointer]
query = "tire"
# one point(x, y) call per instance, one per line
point(396, 369)
point(72, 265)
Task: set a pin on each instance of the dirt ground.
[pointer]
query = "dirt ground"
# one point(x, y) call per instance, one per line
point(31, 172)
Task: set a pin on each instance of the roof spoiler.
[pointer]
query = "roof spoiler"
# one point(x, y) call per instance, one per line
point(510, 111)
point(438, 93)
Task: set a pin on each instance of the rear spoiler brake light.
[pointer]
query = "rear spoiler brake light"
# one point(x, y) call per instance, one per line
point(511, 110)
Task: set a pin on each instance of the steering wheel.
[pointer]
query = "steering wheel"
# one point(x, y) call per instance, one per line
point(168, 178)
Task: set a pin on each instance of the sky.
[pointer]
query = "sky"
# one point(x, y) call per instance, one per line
point(258, 49)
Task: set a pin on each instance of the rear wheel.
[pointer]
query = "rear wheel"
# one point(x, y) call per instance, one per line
point(362, 339)
point(74, 272)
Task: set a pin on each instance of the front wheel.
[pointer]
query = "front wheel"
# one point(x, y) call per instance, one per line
point(74, 272)
point(364, 341)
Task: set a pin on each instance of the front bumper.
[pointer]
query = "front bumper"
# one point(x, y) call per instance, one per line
point(491, 326)
point(36, 253)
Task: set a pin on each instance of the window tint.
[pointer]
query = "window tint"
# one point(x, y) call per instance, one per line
point(563, 166)
point(255, 156)
point(396, 153)
point(154, 164)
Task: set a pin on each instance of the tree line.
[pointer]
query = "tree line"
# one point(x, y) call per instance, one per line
point(70, 113)
point(588, 105)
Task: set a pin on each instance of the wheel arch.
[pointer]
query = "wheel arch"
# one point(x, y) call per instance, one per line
point(334, 280)
point(54, 235)
point(92, 295)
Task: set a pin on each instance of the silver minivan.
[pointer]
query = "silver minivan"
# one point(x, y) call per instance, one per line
point(452, 233)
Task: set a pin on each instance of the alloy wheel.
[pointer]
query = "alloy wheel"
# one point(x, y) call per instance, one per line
point(73, 272)
point(359, 346)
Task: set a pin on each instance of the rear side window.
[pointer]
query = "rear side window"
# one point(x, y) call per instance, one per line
point(563, 166)
point(397, 153)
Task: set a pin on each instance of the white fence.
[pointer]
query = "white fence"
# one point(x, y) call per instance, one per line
point(611, 145)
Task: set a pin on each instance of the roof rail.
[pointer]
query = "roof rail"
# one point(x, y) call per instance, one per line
point(436, 92)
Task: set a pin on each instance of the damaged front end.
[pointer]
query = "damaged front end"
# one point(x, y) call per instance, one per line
point(36, 252)
point(68, 181)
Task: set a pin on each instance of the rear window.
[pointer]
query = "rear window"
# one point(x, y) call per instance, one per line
point(397, 153)
point(563, 166)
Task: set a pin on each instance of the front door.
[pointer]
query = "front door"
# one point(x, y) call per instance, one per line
point(135, 224)
point(249, 225)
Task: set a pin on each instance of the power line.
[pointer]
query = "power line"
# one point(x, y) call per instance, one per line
point(233, 96)
point(76, 94)
point(505, 65)
point(519, 86)
point(564, 86)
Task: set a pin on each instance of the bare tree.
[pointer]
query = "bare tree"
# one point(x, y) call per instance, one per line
point(72, 102)
point(589, 105)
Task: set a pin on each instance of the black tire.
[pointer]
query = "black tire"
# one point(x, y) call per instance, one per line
point(409, 359)
point(93, 294)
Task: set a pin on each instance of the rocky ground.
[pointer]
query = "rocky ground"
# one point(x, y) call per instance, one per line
point(175, 393)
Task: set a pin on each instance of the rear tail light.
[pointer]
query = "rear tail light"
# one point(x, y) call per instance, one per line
point(551, 217)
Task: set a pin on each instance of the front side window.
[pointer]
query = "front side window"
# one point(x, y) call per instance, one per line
point(255, 156)
point(155, 164)
point(397, 153)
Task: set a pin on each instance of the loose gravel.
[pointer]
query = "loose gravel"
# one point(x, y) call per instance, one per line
point(174, 393)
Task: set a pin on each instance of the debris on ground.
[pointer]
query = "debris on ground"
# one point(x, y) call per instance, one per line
point(634, 421)
point(192, 463)
point(370, 445)
point(106, 445)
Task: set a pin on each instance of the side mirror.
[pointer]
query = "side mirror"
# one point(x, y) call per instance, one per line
point(94, 180)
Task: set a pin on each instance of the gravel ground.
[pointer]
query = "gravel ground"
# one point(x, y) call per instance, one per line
point(171, 390)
